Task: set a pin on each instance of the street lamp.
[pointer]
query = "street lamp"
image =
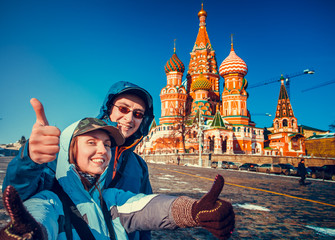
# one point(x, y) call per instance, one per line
point(309, 71)
point(200, 139)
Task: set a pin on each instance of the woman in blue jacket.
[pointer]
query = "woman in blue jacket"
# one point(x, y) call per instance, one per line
point(129, 172)
point(85, 152)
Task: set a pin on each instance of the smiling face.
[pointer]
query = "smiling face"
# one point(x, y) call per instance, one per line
point(93, 152)
point(126, 122)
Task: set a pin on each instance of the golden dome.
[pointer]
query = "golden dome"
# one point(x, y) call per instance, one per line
point(202, 11)
point(201, 84)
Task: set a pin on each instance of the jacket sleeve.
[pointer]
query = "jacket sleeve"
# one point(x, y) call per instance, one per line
point(140, 211)
point(27, 176)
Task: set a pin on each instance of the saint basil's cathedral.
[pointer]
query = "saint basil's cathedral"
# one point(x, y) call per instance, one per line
point(194, 115)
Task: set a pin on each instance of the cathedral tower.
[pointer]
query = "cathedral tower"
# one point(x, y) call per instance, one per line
point(201, 88)
point(203, 61)
point(173, 95)
point(234, 96)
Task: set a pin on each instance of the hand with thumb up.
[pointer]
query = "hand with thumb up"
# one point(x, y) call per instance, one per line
point(210, 212)
point(44, 139)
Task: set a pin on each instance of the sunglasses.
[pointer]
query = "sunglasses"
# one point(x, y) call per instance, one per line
point(125, 110)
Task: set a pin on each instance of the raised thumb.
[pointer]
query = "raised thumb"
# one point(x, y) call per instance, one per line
point(215, 191)
point(39, 111)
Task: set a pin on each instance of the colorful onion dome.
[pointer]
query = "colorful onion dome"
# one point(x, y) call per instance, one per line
point(201, 84)
point(174, 64)
point(233, 64)
point(202, 11)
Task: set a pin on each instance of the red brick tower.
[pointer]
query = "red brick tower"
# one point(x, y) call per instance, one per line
point(286, 138)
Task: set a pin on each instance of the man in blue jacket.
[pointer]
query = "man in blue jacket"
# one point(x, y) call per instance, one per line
point(125, 104)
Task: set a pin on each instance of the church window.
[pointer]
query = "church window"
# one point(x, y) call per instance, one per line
point(284, 123)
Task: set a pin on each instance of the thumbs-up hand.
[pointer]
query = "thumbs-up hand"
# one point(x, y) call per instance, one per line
point(210, 212)
point(44, 139)
point(214, 214)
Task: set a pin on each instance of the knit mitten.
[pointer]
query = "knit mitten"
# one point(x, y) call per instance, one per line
point(211, 213)
point(22, 225)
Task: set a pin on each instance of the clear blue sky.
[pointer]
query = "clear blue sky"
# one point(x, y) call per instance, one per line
point(68, 53)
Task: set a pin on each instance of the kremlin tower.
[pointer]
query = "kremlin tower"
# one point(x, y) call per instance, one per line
point(286, 139)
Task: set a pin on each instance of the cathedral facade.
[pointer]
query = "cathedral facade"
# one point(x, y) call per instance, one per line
point(196, 116)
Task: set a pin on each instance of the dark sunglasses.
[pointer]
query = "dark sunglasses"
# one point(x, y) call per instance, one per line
point(125, 110)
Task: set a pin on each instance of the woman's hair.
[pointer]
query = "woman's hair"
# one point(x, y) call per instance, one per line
point(73, 151)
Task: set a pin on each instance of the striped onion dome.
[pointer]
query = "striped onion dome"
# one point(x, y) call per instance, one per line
point(201, 84)
point(174, 64)
point(233, 64)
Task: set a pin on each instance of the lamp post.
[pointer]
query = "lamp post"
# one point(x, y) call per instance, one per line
point(200, 139)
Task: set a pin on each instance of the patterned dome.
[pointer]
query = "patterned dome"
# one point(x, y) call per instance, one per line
point(201, 84)
point(174, 64)
point(233, 64)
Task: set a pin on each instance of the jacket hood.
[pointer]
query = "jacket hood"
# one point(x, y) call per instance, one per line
point(127, 87)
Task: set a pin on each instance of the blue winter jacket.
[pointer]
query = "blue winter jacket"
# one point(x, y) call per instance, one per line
point(29, 177)
point(139, 212)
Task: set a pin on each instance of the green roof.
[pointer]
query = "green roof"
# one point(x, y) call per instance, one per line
point(321, 136)
point(217, 121)
point(310, 128)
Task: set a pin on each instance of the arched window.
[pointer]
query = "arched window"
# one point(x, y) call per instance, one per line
point(211, 144)
point(284, 123)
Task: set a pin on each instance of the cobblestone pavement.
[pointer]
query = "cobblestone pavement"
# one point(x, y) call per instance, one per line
point(288, 214)
point(290, 207)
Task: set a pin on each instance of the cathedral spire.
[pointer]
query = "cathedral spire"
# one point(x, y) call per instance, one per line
point(202, 41)
point(232, 42)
